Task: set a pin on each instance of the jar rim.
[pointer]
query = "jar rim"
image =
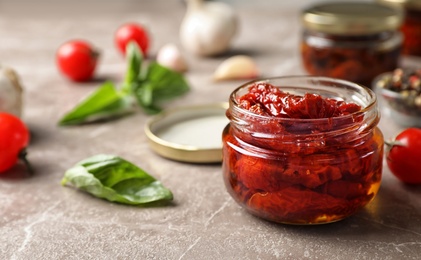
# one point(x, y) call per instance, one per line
point(371, 102)
point(352, 18)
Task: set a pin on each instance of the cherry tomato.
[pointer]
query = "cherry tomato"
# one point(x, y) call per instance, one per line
point(132, 32)
point(404, 156)
point(77, 59)
point(14, 137)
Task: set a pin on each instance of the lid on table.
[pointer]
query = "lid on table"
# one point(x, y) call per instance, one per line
point(189, 134)
point(352, 18)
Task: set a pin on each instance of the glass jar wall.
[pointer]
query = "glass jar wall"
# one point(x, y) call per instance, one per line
point(304, 171)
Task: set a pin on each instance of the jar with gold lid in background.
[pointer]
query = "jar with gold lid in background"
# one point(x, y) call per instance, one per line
point(411, 27)
point(355, 41)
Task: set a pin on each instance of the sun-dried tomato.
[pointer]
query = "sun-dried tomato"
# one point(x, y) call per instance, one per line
point(268, 177)
point(268, 100)
point(356, 62)
point(294, 203)
point(411, 29)
point(318, 179)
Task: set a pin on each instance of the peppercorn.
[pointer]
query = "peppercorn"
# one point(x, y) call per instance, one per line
point(402, 89)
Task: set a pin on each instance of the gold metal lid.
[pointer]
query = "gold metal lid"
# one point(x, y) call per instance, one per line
point(352, 18)
point(415, 4)
point(189, 134)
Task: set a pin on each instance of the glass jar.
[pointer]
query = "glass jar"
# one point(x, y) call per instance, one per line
point(411, 27)
point(304, 171)
point(351, 41)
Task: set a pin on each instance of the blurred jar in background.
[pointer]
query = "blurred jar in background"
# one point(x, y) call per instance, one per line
point(411, 27)
point(352, 41)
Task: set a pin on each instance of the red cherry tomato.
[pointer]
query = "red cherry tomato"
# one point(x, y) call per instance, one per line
point(14, 137)
point(132, 32)
point(77, 60)
point(404, 156)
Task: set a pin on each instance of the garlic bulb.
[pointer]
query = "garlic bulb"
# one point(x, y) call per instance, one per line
point(10, 92)
point(208, 27)
point(237, 67)
point(170, 56)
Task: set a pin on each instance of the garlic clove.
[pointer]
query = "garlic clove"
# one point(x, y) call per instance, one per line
point(207, 28)
point(236, 67)
point(170, 56)
point(11, 92)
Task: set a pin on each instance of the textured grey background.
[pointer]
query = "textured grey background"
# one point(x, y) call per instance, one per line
point(39, 219)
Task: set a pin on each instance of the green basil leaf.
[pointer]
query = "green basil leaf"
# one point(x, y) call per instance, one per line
point(134, 59)
point(145, 94)
point(159, 83)
point(144, 97)
point(151, 109)
point(165, 82)
point(115, 179)
point(106, 102)
point(149, 88)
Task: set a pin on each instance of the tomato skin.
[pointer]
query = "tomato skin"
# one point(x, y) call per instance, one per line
point(14, 137)
point(77, 60)
point(132, 32)
point(404, 156)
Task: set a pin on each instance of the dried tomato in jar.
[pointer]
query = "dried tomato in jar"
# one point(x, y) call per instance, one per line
point(302, 150)
point(411, 27)
point(352, 41)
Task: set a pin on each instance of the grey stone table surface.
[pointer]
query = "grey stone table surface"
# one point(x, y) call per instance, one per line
point(40, 219)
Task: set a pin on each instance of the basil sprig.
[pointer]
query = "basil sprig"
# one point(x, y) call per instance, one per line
point(104, 103)
point(115, 179)
point(147, 86)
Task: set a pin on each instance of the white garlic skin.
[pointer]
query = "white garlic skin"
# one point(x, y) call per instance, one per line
point(170, 56)
point(10, 92)
point(208, 27)
point(236, 67)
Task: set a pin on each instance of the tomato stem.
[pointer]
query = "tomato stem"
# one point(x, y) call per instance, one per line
point(22, 156)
